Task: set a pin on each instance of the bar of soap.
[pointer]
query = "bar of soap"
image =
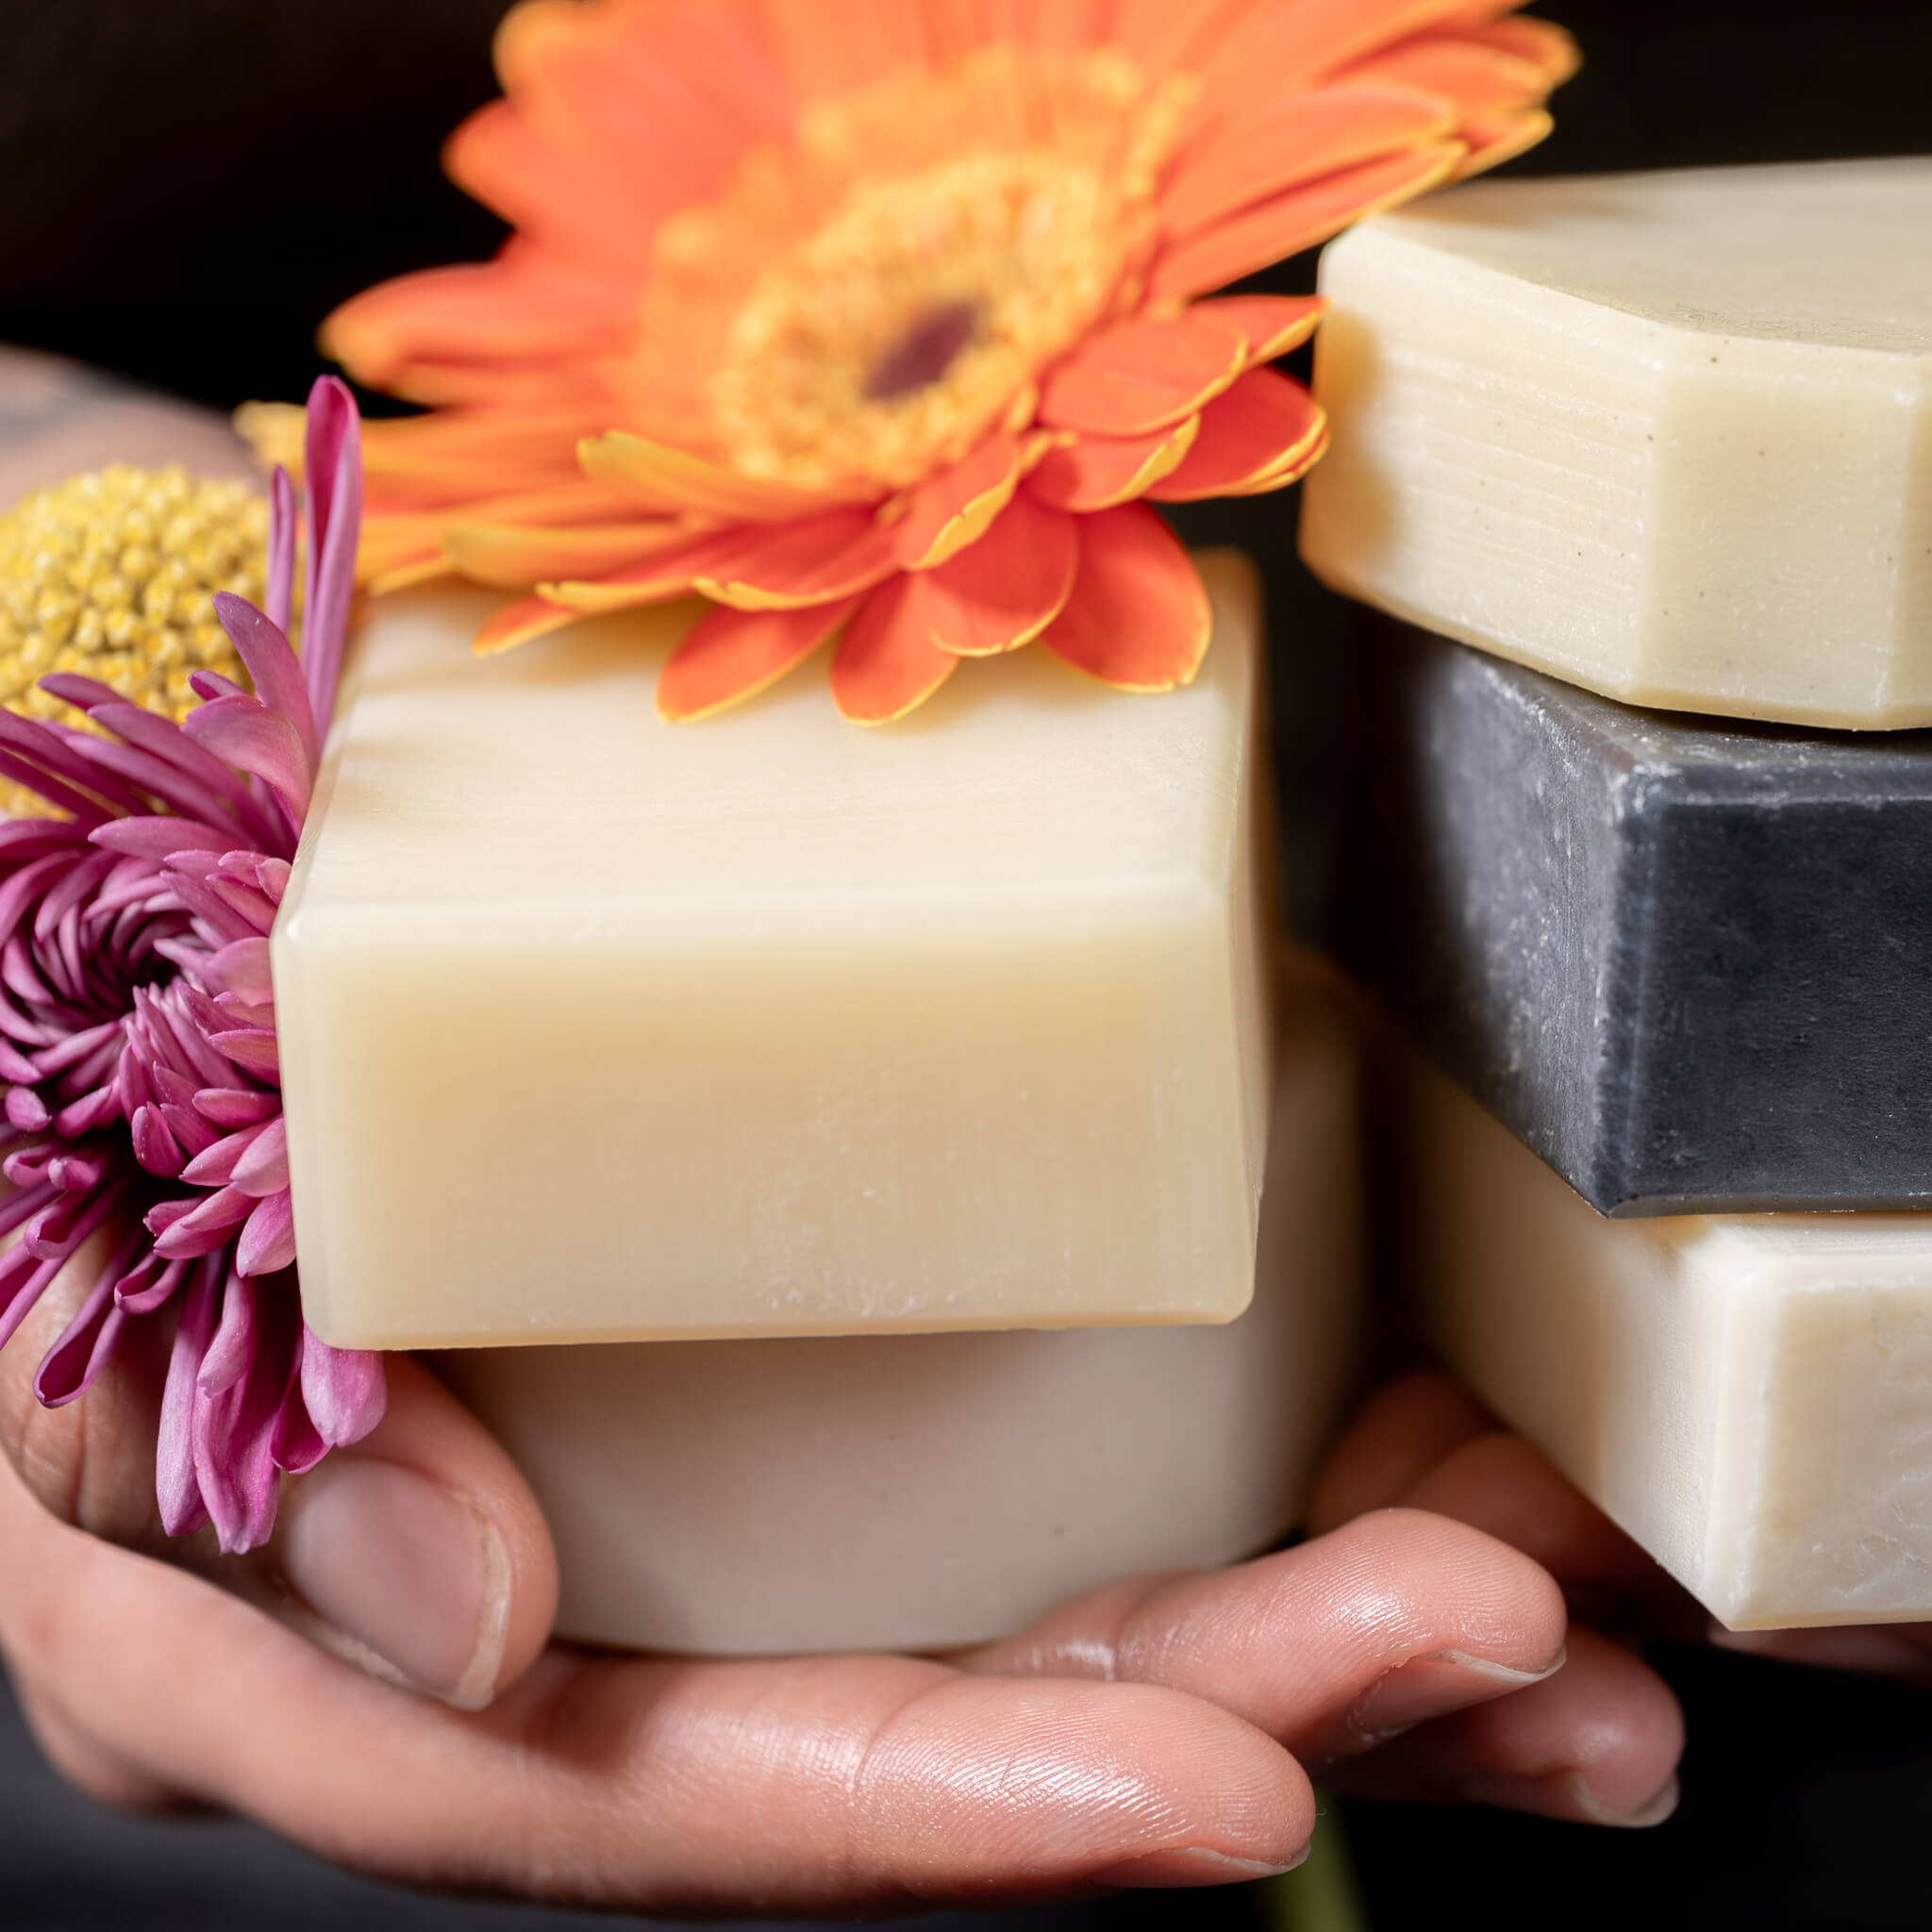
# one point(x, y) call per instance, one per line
point(1690, 965)
point(596, 1028)
point(1667, 436)
point(1750, 1397)
point(921, 1492)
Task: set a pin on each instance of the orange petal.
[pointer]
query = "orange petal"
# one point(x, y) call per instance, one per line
point(656, 476)
point(393, 543)
point(1003, 591)
point(1258, 435)
point(1473, 78)
point(1541, 42)
point(518, 622)
point(405, 576)
point(731, 654)
point(1064, 26)
point(1143, 375)
point(514, 556)
point(1139, 617)
point(1097, 472)
point(1273, 324)
point(603, 217)
point(464, 451)
point(670, 573)
point(1299, 219)
point(527, 306)
point(669, 98)
point(1499, 137)
point(954, 507)
point(813, 560)
point(886, 666)
point(1229, 168)
point(1274, 48)
point(824, 55)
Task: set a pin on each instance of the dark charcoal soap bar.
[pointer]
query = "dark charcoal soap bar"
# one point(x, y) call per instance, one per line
point(1689, 964)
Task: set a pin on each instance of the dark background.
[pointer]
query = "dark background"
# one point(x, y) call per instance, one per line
point(188, 186)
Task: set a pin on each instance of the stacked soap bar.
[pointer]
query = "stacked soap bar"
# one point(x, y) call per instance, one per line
point(763, 1060)
point(598, 1029)
point(1688, 962)
point(924, 1491)
point(1668, 441)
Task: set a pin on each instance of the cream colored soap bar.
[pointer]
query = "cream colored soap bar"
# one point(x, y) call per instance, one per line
point(1666, 436)
point(594, 1027)
point(1749, 1395)
point(919, 1491)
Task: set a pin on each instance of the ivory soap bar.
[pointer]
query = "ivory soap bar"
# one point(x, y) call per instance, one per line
point(920, 1491)
point(594, 1027)
point(1750, 1397)
point(1689, 962)
point(1667, 436)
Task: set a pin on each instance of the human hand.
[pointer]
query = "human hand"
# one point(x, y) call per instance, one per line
point(1424, 1444)
point(1148, 1735)
point(377, 1681)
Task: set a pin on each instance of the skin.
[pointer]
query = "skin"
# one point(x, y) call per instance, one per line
point(1160, 1732)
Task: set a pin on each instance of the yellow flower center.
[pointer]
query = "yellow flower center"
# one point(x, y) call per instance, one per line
point(112, 575)
point(879, 296)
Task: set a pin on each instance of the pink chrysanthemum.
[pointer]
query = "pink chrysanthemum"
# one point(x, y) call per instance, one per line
point(144, 1107)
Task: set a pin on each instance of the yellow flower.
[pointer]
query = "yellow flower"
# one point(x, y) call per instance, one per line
point(112, 575)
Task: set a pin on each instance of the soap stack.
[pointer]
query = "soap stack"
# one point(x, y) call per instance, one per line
point(1637, 474)
point(830, 1161)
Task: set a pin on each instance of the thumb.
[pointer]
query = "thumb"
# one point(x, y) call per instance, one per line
point(418, 1554)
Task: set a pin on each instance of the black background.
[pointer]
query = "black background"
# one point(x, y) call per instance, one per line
point(187, 186)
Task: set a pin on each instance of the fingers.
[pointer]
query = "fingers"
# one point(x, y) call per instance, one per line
point(1399, 1435)
point(1424, 1444)
point(833, 1785)
point(87, 1764)
point(1392, 1620)
point(1498, 1483)
point(90, 1462)
point(419, 1551)
point(1598, 1743)
point(418, 1554)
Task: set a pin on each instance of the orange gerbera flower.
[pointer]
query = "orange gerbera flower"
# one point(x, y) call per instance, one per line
point(877, 319)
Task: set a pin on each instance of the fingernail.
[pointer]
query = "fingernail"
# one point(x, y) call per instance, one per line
point(412, 1578)
point(1434, 1684)
point(1654, 1810)
point(1191, 1865)
point(1566, 1794)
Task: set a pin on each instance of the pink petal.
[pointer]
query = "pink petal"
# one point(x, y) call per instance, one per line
point(149, 1284)
point(208, 1226)
point(214, 1167)
point(255, 740)
point(268, 1241)
point(176, 1488)
point(251, 1047)
point(263, 1169)
point(332, 474)
point(281, 549)
point(236, 1107)
point(159, 838)
point(271, 667)
point(241, 967)
point(84, 1349)
point(238, 1396)
point(343, 1388)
